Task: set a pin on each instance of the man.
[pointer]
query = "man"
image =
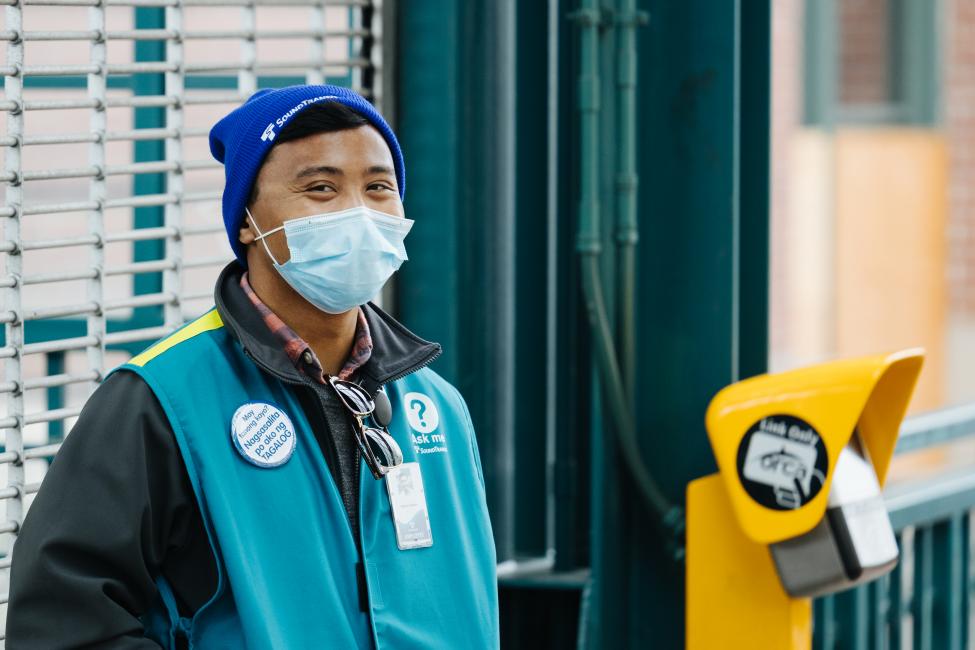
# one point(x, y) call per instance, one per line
point(285, 471)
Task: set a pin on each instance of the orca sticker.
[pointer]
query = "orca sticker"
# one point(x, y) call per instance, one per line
point(263, 434)
point(782, 462)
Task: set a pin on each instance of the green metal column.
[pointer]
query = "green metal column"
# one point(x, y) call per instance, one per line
point(494, 186)
point(754, 155)
point(456, 121)
point(493, 276)
point(697, 251)
point(533, 228)
point(427, 122)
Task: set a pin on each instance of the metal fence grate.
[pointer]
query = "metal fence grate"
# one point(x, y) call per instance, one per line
point(926, 601)
point(112, 235)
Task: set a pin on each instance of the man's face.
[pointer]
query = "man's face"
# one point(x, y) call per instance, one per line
point(326, 172)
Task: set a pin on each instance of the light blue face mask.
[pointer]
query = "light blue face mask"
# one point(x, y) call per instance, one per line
point(340, 260)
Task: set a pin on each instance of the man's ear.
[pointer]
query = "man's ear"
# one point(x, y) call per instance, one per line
point(247, 234)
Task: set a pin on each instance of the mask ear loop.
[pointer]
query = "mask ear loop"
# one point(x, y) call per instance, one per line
point(260, 236)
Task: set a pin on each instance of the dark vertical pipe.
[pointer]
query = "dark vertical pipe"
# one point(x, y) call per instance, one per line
point(627, 235)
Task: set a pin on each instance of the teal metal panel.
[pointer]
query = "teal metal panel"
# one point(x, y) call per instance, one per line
point(879, 613)
point(852, 612)
point(114, 82)
point(824, 619)
point(571, 354)
point(609, 481)
point(147, 150)
point(489, 123)
point(55, 395)
point(458, 287)
point(428, 113)
point(950, 551)
point(493, 275)
point(897, 601)
point(693, 72)
point(531, 243)
point(924, 589)
point(754, 154)
point(689, 226)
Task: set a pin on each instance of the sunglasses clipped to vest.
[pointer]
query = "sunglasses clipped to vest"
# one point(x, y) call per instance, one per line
point(380, 451)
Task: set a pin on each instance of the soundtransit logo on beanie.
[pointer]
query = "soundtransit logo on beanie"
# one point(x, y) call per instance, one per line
point(269, 133)
point(243, 138)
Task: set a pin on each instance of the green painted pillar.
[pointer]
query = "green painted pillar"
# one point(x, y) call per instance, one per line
point(702, 287)
point(486, 112)
point(427, 123)
point(455, 118)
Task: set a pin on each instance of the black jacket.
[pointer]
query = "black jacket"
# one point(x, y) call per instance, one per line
point(116, 507)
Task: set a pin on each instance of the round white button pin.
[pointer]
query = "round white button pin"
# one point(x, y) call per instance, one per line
point(421, 412)
point(263, 434)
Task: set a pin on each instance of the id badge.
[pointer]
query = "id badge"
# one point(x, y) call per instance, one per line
point(408, 503)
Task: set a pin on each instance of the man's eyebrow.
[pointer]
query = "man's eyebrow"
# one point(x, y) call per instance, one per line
point(320, 169)
point(380, 169)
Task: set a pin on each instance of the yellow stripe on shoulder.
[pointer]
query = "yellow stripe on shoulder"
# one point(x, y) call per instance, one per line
point(208, 321)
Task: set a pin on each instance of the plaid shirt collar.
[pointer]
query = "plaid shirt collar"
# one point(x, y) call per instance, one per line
point(300, 352)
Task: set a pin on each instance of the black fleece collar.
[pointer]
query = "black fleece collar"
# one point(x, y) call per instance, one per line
point(396, 351)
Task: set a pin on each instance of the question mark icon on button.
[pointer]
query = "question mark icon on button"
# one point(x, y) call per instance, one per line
point(421, 412)
point(419, 407)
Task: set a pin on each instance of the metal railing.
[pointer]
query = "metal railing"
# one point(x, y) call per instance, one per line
point(925, 603)
point(112, 235)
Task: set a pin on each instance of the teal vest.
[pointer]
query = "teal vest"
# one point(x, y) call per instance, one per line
point(284, 548)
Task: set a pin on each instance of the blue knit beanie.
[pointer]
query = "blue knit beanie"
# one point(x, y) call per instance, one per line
point(243, 138)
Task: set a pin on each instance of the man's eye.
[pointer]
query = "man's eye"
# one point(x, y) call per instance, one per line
point(319, 188)
point(379, 186)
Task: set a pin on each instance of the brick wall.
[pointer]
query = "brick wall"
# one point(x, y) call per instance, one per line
point(959, 124)
point(864, 43)
point(865, 79)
